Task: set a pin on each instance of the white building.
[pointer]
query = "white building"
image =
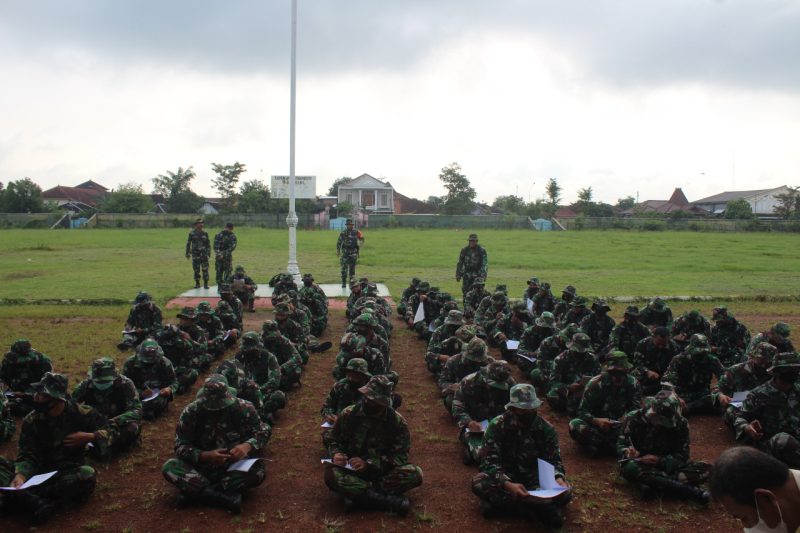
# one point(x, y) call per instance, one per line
point(763, 201)
point(368, 194)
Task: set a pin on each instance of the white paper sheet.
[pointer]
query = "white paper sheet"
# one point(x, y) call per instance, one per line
point(512, 344)
point(528, 357)
point(549, 488)
point(33, 481)
point(420, 316)
point(431, 328)
point(738, 398)
point(242, 466)
point(529, 304)
point(156, 394)
point(347, 466)
point(326, 425)
point(484, 425)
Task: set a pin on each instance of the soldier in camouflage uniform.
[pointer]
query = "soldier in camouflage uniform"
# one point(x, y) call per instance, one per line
point(144, 320)
point(369, 451)
point(7, 425)
point(688, 324)
point(543, 301)
point(285, 351)
point(214, 431)
point(243, 286)
point(354, 345)
point(214, 330)
point(543, 327)
point(344, 393)
point(313, 297)
point(115, 397)
point(474, 297)
point(154, 378)
point(281, 284)
point(598, 324)
point(494, 313)
point(365, 325)
point(627, 334)
point(356, 293)
point(226, 295)
point(230, 323)
point(691, 372)
point(576, 313)
point(729, 337)
point(180, 353)
point(224, 244)
point(348, 247)
point(407, 292)
point(656, 314)
point(549, 349)
point(291, 330)
point(564, 303)
point(651, 359)
point(531, 290)
point(474, 357)
point(512, 445)
point(54, 437)
point(262, 366)
point(487, 301)
point(777, 335)
point(606, 400)
point(572, 370)
point(198, 248)
point(21, 367)
point(513, 327)
point(246, 389)
point(654, 451)
point(473, 262)
point(480, 397)
point(421, 298)
point(444, 344)
point(770, 415)
point(742, 377)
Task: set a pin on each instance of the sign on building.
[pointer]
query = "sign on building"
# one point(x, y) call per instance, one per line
point(304, 187)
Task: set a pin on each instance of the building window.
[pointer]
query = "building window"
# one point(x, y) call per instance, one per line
point(384, 199)
point(348, 197)
point(368, 198)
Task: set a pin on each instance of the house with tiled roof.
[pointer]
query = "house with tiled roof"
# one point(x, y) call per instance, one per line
point(83, 197)
point(368, 194)
point(676, 202)
point(762, 201)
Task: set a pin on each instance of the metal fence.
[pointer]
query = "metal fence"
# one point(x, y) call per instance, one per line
point(691, 224)
point(449, 221)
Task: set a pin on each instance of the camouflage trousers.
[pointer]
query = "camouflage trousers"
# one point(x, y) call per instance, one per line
point(119, 436)
point(318, 324)
point(223, 265)
point(290, 374)
point(200, 262)
point(447, 400)
point(561, 398)
point(784, 447)
point(472, 443)
point(186, 377)
point(698, 402)
point(153, 408)
point(692, 472)
point(433, 363)
point(594, 440)
point(273, 401)
point(7, 428)
point(490, 489)
point(192, 479)
point(730, 414)
point(347, 262)
point(69, 484)
point(540, 376)
point(349, 483)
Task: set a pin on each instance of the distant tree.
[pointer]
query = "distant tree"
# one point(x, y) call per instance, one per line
point(334, 190)
point(789, 204)
point(254, 197)
point(174, 187)
point(510, 204)
point(626, 203)
point(127, 198)
point(226, 181)
point(22, 196)
point(553, 190)
point(585, 195)
point(460, 195)
point(539, 209)
point(738, 209)
point(598, 209)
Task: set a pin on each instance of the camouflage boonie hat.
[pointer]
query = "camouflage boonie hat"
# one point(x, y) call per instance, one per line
point(785, 360)
point(204, 308)
point(765, 350)
point(224, 306)
point(353, 343)
point(523, 396)
point(378, 389)
point(251, 339)
point(473, 237)
point(533, 281)
point(476, 350)
point(579, 301)
point(423, 286)
point(568, 331)
point(215, 394)
point(466, 333)
point(502, 287)
point(21, 346)
point(53, 385)
point(142, 297)
point(270, 328)
point(657, 304)
point(498, 296)
point(545, 286)
point(666, 406)
point(782, 329)
point(188, 313)
point(698, 344)
point(282, 309)
point(580, 343)
point(199, 221)
point(454, 318)
point(308, 277)
point(496, 374)
point(569, 289)
point(355, 283)
point(718, 313)
point(148, 350)
point(479, 282)
point(103, 370)
point(357, 364)
point(365, 319)
point(618, 360)
point(632, 310)
point(600, 303)
point(546, 320)
point(224, 288)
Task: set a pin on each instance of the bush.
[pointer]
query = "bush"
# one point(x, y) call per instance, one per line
point(653, 225)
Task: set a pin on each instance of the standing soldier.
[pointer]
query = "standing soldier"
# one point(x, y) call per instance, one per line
point(198, 247)
point(224, 245)
point(472, 263)
point(214, 432)
point(347, 248)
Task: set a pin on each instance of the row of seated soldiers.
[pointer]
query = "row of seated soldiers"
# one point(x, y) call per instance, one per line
point(229, 420)
point(604, 398)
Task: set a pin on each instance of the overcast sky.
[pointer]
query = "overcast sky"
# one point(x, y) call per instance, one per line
point(624, 96)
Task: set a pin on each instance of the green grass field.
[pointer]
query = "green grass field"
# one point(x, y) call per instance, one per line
point(115, 264)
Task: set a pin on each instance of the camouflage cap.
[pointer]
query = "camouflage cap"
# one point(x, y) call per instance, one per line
point(454, 318)
point(233, 371)
point(618, 360)
point(719, 313)
point(764, 350)
point(423, 286)
point(187, 313)
point(355, 283)
point(600, 303)
point(282, 308)
point(103, 370)
point(657, 304)
point(270, 328)
point(568, 331)
point(473, 237)
point(569, 289)
point(579, 301)
point(523, 396)
point(148, 350)
point(501, 287)
point(378, 389)
point(357, 364)
point(251, 339)
point(664, 408)
point(204, 308)
point(224, 306)
point(698, 344)
point(224, 288)
point(785, 360)
point(632, 310)
point(546, 320)
point(365, 319)
point(53, 385)
point(479, 282)
point(239, 269)
point(142, 297)
point(533, 281)
point(215, 394)
point(466, 333)
point(580, 343)
point(497, 374)
point(782, 329)
point(476, 350)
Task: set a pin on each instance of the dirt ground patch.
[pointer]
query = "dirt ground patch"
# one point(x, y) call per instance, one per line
point(132, 496)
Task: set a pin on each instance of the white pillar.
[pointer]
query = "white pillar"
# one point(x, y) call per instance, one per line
point(291, 220)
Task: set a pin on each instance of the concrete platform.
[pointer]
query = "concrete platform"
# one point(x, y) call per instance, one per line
point(334, 292)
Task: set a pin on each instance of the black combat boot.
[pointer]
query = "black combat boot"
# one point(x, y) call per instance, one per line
point(40, 509)
point(679, 489)
point(197, 283)
point(216, 498)
point(383, 501)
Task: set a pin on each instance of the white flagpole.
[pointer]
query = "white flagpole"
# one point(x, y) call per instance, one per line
point(291, 219)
